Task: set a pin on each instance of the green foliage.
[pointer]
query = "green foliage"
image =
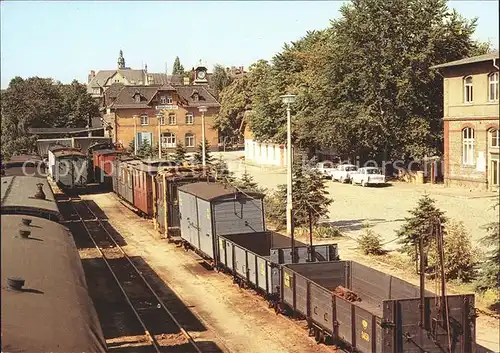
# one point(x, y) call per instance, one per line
point(221, 171)
point(246, 182)
point(180, 153)
point(370, 243)
point(308, 195)
point(177, 69)
point(40, 102)
point(460, 256)
point(419, 225)
point(146, 150)
point(364, 86)
point(198, 155)
point(489, 276)
point(219, 80)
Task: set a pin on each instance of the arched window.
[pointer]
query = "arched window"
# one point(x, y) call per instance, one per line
point(189, 140)
point(468, 146)
point(493, 86)
point(494, 138)
point(468, 89)
point(168, 140)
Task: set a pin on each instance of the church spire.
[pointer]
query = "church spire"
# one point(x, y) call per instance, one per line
point(121, 60)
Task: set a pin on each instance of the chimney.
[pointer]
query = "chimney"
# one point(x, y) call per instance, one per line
point(15, 283)
point(91, 75)
point(241, 69)
point(40, 195)
point(25, 234)
point(26, 221)
point(186, 81)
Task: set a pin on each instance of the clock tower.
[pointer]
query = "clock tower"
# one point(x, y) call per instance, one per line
point(200, 75)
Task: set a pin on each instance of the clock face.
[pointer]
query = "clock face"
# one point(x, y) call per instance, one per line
point(201, 74)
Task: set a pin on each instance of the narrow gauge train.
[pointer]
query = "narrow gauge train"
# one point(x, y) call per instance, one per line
point(29, 165)
point(45, 303)
point(227, 228)
point(68, 166)
point(387, 315)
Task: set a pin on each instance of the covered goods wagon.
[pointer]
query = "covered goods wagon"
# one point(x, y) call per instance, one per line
point(210, 209)
point(69, 168)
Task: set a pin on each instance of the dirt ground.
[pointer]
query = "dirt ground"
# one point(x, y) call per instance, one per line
point(241, 320)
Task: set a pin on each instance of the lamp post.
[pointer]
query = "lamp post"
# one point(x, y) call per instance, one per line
point(135, 133)
point(289, 99)
point(202, 110)
point(159, 116)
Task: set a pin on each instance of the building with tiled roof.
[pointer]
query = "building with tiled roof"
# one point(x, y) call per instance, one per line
point(163, 115)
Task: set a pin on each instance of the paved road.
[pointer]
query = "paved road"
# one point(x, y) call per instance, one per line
point(385, 207)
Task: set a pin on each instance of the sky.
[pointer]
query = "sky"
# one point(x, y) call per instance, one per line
point(65, 40)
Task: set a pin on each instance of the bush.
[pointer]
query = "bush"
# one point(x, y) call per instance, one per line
point(460, 256)
point(370, 243)
point(327, 231)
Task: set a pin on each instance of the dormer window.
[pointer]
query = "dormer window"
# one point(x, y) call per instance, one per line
point(163, 100)
point(195, 96)
point(137, 98)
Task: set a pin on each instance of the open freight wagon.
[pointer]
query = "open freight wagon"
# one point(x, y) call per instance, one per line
point(254, 258)
point(387, 317)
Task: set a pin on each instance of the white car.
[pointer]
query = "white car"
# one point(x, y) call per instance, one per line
point(368, 176)
point(325, 168)
point(343, 172)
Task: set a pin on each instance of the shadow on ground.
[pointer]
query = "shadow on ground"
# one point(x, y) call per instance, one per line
point(118, 320)
point(358, 224)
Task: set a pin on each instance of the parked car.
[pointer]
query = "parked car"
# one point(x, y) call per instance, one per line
point(325, 168)
point(343, 172)
point(368, 176)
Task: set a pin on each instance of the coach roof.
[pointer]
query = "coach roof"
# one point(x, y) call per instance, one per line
point(212, 191)
point(53, 312)
point(18, 196)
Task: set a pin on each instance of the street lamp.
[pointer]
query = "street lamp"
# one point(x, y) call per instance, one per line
point(202, 110)
point(289, 99)
point(135, 133)
point(159, 117)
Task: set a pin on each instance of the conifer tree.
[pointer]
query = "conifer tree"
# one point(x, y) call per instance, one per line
point(247, 182)
point(198, 159)
point(180, 154)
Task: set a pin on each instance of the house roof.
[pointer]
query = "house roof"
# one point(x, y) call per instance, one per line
point(204, 96)
point(471, 60)
point(53, 312)
point(134, 77)
point(213, 191)
point(61, 130)
point(125, 98)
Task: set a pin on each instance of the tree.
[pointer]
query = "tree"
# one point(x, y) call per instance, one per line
point(420, 225)
point(198, 155)
point(219, 80)
point(247, 182)
point(489, 277)
point(180, 153)
point(40, 102)
point(177, 69)
point(221, 171)
point(460, 255)
point(370, 243)
point(145, 150)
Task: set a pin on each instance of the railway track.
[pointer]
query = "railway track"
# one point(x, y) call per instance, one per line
point(159, 323)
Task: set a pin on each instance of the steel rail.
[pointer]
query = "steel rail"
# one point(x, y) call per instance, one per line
point(148, 334)
point(184, 332)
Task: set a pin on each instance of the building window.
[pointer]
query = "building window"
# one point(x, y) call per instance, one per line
point(163, 100)
point(161, 119)
point(172, 120)
point(468, 89)
point(189, 140)
point(494, 138)
point(168, 140)
point(493, 86)
point(169, 100)
point(468, 146)
point(495, 174)
point(189, 119)
point(144, 120)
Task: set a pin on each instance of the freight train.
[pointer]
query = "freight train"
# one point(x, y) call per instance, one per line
point(45, 303)
point(344, 302)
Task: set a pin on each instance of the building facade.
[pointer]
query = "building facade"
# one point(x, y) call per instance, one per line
point(471, 121)
point(161, 115)
point(263, 153)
